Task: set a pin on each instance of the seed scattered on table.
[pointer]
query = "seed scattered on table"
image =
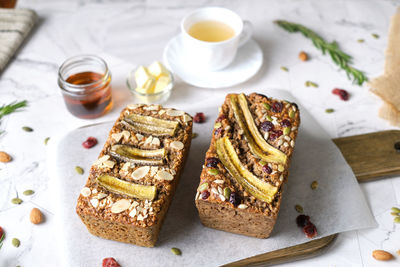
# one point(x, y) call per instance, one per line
point(28, 192)
point(79, 170)
point(329, 110)
point(194, 135)
point(46, 140)
point(397, 219)
point(15, 242)
point(314, 185)
point(16, 201)
point(312, 84)
point(176, 251)
point(361, 40)
point(374, 35)
point(299, 208)
point(284, 69)
point(27, 129)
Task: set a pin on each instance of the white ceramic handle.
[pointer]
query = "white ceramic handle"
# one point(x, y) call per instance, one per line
point(246, 33)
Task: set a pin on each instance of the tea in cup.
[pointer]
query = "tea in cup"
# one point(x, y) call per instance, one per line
point(211, 37)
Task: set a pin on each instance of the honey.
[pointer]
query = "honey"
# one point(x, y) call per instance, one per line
point(87, 94)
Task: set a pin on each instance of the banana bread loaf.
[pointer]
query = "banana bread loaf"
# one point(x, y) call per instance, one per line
point(247, 164)
point(131, 185)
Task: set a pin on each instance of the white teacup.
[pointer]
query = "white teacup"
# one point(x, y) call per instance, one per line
point(212, 56)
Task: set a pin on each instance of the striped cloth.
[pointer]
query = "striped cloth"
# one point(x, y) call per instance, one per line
point(15, 25)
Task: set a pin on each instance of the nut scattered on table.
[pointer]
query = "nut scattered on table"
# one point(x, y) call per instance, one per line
point(36, 216)
point(4, 157)
point(303, 56)
point(381, 255)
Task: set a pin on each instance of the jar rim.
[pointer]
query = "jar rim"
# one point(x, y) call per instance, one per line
point(76, 88)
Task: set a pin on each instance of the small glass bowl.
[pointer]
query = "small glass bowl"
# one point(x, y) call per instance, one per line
point(156, 98)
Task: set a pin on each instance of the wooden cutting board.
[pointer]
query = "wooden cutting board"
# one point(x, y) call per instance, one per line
point(371, 156)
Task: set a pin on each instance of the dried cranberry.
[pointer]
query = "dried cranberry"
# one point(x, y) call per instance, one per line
point(90, 142)
point(343, 94)
point(302, 220)
point(275, 134)
point(267, 126)
point(221, 118)
point(276, 107)
point(205, 194)
point(234, 199)
point(286, 123)
point(212, 162)
point(199, 117)
point(267, 169)
point(1, 235)
point(310, 230)
point(110, 262)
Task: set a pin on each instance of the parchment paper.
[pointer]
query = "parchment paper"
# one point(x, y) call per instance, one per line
point(337, 205)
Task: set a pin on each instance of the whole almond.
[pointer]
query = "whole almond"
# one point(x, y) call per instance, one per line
point(4, 157)
point(36, 216)
point(382, 255)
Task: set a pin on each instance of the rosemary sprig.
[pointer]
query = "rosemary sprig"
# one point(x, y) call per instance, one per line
point(12, 107)
point(339, 57)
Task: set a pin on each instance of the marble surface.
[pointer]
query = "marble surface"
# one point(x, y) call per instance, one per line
point(137, 31)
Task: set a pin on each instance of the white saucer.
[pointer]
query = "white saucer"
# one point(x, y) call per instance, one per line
point(248, 61)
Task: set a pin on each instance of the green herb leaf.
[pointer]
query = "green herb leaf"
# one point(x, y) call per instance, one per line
point(339, 57)
point(12, 107)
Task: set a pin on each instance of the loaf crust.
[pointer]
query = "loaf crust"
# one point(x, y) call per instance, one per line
point(140, 223)
point(241, 212)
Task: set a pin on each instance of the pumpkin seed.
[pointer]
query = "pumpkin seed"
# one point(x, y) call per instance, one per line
point(27, 129)
point(374, 35)
point(15, 242)
point(314, 185)
point(16, 201)
point(299, 208)
point(194, 135)
point(262, 163)
point(202, 187)
point(79, 170)
point(360, 40)
point(312, 84)
point(28, 192)
point(46, 140)
point(268, 118)
point(176, 251)
point(291, 114)
point(329, 110)
point(395, 214)
point(397, 219)
point(227, 192)
point(394, 209)
point(266, 106)
point(284, 69)
point(286, 130)
point(213, 171)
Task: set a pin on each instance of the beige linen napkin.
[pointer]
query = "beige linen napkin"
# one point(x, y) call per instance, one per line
point(15, 24)
point(387, 86)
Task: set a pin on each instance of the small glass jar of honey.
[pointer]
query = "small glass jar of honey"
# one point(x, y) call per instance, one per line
point(85, 83)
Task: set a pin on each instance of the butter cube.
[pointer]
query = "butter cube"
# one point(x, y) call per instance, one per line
point(142, 76)
point(147, 87)
point(157, 69)
point(162, 83)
